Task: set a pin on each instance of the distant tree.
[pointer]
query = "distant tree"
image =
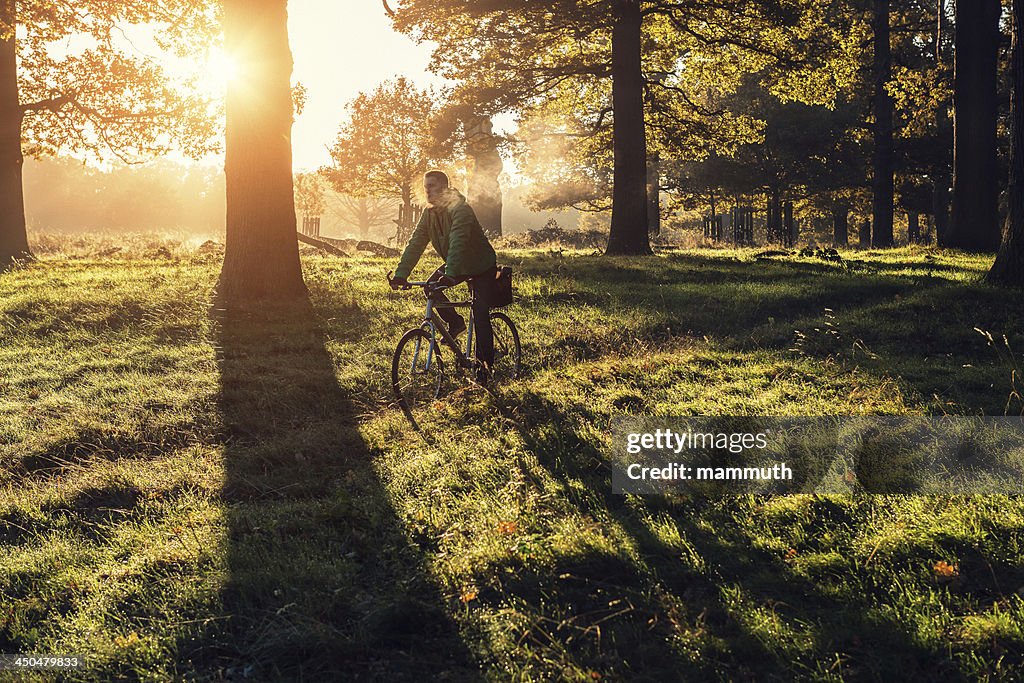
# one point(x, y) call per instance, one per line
point(801, 152)
point(310, 189)
point(975, 225)
point(1009, 264)
point(567, 158)
point(363, 215)
point(100, 99)
point(830, 153)
point(483, 170)
point(921, 89)
point(460, 131)
point(387, 144)
point(261, 253)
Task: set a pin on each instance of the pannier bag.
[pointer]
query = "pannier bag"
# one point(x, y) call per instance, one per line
point(502, 287)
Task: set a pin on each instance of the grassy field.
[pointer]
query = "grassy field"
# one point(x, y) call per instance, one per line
point(191, 495)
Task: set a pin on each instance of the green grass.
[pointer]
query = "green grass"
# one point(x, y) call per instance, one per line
point(191, 495)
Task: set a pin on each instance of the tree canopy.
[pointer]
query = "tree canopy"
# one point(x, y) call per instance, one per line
point(387, 143)
point(99, 97)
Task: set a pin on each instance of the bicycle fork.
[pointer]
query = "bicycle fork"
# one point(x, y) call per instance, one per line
point(416, 355)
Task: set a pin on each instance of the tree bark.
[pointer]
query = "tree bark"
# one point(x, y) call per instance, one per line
point(653, 194)
point(944, 131)
point(913, 227)
point(13, 236)
point(975, 225)
point(789, 231)
point(714, 218)
point(628, 234)
point(883, 157)
point(774, 221)
point(1009, 264)
point(840, 225)
point(864, 239)
point(261, 252)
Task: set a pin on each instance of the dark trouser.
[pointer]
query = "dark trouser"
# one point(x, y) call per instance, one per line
point(482, 285)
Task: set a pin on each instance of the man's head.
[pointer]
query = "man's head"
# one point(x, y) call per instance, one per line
point(434, 184)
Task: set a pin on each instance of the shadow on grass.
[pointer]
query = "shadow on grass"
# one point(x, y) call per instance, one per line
point(322, 583)
point(922, 330)
point(745, 611)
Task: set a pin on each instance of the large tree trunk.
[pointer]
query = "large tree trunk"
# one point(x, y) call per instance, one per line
point(864, 237)
point(975, 224)
point(714, 218)
point(407, 199)
point(773, 227)
point(882, 158)
point(840, 225)
point(1009, 265)
point(483, 191)
point(942, 176)
point(913, 227)
point(943, 179)
point(405, 222)
point(261, 252)
point(653, 194)
point(13, 237)
point(789, 230)
point(628, 233)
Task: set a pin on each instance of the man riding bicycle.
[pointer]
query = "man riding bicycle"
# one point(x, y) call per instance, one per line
point(450, 224)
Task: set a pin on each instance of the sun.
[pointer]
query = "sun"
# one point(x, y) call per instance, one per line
point(215, 70)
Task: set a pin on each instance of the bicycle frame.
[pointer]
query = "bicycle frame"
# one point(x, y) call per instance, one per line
point(430, 324)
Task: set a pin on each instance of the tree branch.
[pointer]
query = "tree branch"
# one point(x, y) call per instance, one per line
point(53, 104)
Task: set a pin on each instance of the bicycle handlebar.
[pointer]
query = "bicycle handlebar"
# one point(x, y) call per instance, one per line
point(409, 285)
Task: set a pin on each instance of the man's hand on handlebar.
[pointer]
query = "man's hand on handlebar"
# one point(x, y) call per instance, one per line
point(442, 282)
point(398, 282)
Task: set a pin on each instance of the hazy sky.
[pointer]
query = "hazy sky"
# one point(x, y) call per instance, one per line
point(342, 47)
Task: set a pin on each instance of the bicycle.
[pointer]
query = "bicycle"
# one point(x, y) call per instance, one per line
point(419, 373)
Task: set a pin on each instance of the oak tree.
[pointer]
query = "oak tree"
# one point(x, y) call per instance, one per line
point(104, 99)
point(387, 143)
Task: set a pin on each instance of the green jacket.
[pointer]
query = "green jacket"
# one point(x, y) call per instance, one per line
point(456, 235)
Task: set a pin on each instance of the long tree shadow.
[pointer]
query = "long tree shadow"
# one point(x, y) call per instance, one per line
point(727, 299)
point(924, 332)
point(724, 604)
point(322, 582)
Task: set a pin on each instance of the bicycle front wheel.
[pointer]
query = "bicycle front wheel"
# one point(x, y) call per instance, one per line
point(508, 354)
point(417, 372)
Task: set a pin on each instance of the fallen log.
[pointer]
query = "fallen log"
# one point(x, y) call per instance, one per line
point(339, 246)
point(326, 246)
point(374, 248)
point(378, 249)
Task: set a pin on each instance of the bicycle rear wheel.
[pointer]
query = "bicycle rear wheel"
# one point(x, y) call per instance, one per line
point(417, 373)
point(508, 353)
